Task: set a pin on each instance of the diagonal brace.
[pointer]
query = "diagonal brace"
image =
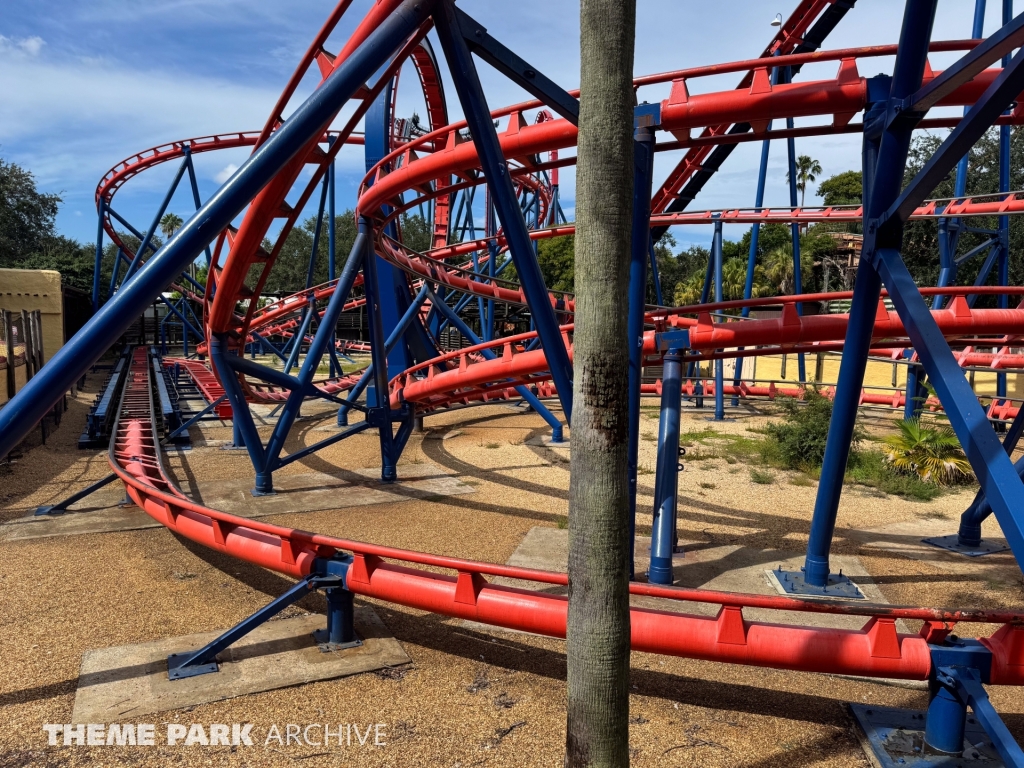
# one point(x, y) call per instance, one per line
point(191, 663)
point(1003, 90)
point(516, 69)
point(998, 479)
point(971, 64)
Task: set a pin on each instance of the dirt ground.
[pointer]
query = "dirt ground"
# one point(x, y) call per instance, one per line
point(469, 698)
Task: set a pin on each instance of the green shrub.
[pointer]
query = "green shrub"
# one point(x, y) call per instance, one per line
point(872, 469)
point(932, 453)
point(762, 478)
point(798, 442)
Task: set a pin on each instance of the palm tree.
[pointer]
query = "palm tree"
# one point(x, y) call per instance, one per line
point(807, 171)
point(930, 452)
point(778, 270)
point(170, 223)
point(597, 622)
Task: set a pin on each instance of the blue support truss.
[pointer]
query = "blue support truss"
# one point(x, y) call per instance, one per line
point(888, 204)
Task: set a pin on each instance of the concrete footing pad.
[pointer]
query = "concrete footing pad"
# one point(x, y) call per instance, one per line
point(905, 538)
point(295, 493)
point(125, 682)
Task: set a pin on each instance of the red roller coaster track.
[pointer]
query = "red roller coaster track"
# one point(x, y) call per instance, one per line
point(425, 165)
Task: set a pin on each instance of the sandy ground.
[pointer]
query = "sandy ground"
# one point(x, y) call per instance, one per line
point(469, 698)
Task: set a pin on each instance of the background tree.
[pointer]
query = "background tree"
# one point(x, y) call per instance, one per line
point(807, 171)
point(597, 632)
point(170, 223)
point(26, 215)
point(844, 188)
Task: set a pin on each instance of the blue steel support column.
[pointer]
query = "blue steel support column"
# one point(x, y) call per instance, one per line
point(656, 277)
point(331, 244)
point(243, 427)
point(666, 481)
point(640, 244)
point(945, 721)
point(755, 234)
point(1004, 221)
point(996, 475)
point(492, 258)
point(98, 264)
point(910, 407)
point(396, 334)
point(314, 251)
point(884, 161)
point(156, 222)
point(379, 411)
point(495, 167)
point(68, 365)
point(949, 229)
point(194, 184)
point(300, 335)
point(716, 256)
point(969, 535)
point(360, 256)
point(798, 283)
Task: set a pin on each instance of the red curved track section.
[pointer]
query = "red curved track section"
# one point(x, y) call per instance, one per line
point(875, 650)
point(400, 576)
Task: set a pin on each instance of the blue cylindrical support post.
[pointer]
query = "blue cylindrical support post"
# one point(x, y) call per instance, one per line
point(492, 258)
point(315, 250)
point(716, 256)
point(378, 352)
point(332, 244)
point(945, 721)
point(640, 244)
point(884, 158)
point(145, 245)
point(798, 287)
point(910, 407)
point(98, 263)
point(755, 233)
point(666, 481)
point(300, 335)
point(340, 616)
point(1004, 221)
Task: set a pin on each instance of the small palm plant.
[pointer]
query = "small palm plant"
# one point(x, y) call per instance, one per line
point(933, 453)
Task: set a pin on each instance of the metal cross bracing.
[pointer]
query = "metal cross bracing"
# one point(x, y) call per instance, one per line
point(411, 297)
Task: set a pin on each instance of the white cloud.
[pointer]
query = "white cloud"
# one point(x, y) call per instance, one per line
point(30, 45)
point(225, 173)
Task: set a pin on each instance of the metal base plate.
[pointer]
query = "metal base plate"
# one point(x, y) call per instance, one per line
point(794, 583)
point(894, 738)
point(48, 511)
point(320, 636)
point(178, 672)
point(952, 544)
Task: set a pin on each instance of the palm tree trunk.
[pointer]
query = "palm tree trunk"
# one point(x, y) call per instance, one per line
point(597, 727)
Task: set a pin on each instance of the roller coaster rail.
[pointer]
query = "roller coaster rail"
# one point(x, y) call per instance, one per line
point(410, 296)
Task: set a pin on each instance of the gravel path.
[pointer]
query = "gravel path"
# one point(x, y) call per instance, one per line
point(469, 698)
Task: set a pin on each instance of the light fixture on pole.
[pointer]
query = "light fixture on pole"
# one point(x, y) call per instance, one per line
point(777, 21)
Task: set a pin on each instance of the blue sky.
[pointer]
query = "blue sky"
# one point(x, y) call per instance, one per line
point(87, 83)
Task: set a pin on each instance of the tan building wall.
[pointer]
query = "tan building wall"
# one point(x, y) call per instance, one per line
point(32, 289)
point(877, 377)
